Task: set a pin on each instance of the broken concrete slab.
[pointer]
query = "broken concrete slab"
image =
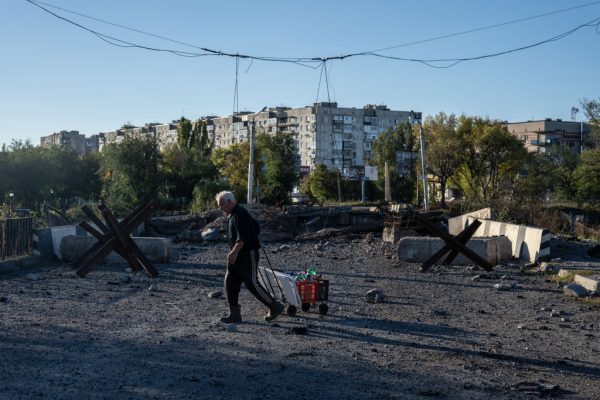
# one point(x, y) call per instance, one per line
point(591, 283)
point(419, 249)
point(575, 290)
point(158, 250)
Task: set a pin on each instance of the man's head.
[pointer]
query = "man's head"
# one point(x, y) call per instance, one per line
point(226, 201)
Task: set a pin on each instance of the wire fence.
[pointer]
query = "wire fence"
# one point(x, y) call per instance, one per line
point(15, 237)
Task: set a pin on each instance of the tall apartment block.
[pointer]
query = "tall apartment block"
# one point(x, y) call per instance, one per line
point(73, 140)
point(338, 137)
point(537, 136)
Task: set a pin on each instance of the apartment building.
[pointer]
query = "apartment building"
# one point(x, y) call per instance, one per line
point(338, 137)
point(537, 136)
point(165, 134)
point(73, 140)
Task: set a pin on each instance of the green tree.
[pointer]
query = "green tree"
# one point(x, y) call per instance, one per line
point(533, 184)
point(130, 172)
point(385, 149)
point(279, 174)
point(323, 184)
point(232, 164)
point(561, 171)
point(185, 134)
point(587, 177)
point(183, 169)
point(200, 138)
point(444, 149)
point(592, 112)
point(492, 159)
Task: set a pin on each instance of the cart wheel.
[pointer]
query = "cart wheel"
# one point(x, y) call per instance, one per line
point(305, 307)
point(323, 308)
point(291, 310)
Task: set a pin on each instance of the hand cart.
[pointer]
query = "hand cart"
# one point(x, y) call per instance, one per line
point(284, 287)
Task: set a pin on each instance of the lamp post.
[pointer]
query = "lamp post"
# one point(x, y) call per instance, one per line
point(11, 196)
point(251, 158)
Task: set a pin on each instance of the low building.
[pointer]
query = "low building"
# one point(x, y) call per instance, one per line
point(537, 136)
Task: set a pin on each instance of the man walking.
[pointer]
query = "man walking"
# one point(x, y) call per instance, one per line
point(242, 260)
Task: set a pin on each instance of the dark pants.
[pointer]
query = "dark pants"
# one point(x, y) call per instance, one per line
point(245, 270)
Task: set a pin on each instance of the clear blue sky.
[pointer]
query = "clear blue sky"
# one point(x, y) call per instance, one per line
point(55, 76)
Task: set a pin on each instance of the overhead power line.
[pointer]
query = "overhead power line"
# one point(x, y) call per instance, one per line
point(316, 62)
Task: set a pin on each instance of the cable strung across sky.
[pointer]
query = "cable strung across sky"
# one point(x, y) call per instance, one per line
point(316, 62)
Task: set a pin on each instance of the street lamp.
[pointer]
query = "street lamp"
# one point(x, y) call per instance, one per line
point(11, 196)
point(251, 161)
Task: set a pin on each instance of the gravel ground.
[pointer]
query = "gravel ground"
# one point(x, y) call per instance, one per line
point(441, 334)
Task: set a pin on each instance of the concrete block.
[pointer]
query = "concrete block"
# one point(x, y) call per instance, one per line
point(591, 282)
point(419, 249)
point(158, 250)
point(58, 233)
point(42, 243)
point(457, 224)
point(575, 290)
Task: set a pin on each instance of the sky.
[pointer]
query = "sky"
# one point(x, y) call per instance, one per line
point(57, 76)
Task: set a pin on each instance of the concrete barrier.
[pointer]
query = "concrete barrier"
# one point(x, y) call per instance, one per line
point(528, 243)
point(158, 250)
point(419, 249)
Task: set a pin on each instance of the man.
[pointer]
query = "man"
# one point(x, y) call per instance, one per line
point(242, 260)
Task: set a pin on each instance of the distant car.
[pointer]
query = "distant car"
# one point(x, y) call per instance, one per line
point(298, 198)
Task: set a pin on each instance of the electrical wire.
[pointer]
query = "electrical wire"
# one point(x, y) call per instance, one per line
point(316, 62)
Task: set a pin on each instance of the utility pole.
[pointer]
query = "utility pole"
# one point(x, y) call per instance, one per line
point(250, 163)
point(413, 118)
point(387, 188)
point(251, 158)
point(424, 168)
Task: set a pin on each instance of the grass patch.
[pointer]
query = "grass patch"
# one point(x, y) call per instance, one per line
point(569, 276)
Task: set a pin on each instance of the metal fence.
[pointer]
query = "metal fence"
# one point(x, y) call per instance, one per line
point(15, 237)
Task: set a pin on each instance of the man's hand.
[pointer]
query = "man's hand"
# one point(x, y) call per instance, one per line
point(232, 256)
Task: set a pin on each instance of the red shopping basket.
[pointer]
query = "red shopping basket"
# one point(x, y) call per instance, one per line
point(309, 291)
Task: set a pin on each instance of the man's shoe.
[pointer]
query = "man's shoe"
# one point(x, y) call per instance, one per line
point(235, 315)
point(274, 311)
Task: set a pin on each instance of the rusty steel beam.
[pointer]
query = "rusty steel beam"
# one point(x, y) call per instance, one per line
point(462, 237)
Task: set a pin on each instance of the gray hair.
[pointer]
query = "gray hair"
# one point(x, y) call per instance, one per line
point(225, 195)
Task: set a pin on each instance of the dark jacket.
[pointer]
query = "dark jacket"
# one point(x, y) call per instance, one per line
point(241, 226)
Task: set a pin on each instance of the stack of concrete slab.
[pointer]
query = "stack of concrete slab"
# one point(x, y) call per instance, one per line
point(527, 243)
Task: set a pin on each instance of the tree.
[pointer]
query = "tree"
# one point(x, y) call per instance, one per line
point(200, 139)
point(385, 149)
point(561, 171)
point(492, 159)
point(444, 149)
point(279, 174)
point(185, 138)
point(587, 177)
point(183, 169)
point(323, 184)
point(232, 164)
point(130, 172)
point(592, 112)
point(533, 184)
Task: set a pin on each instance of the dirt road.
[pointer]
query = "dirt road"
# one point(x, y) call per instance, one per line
point(443, 334)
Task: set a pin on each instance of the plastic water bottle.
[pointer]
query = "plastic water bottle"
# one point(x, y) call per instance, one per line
point(301, 277)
